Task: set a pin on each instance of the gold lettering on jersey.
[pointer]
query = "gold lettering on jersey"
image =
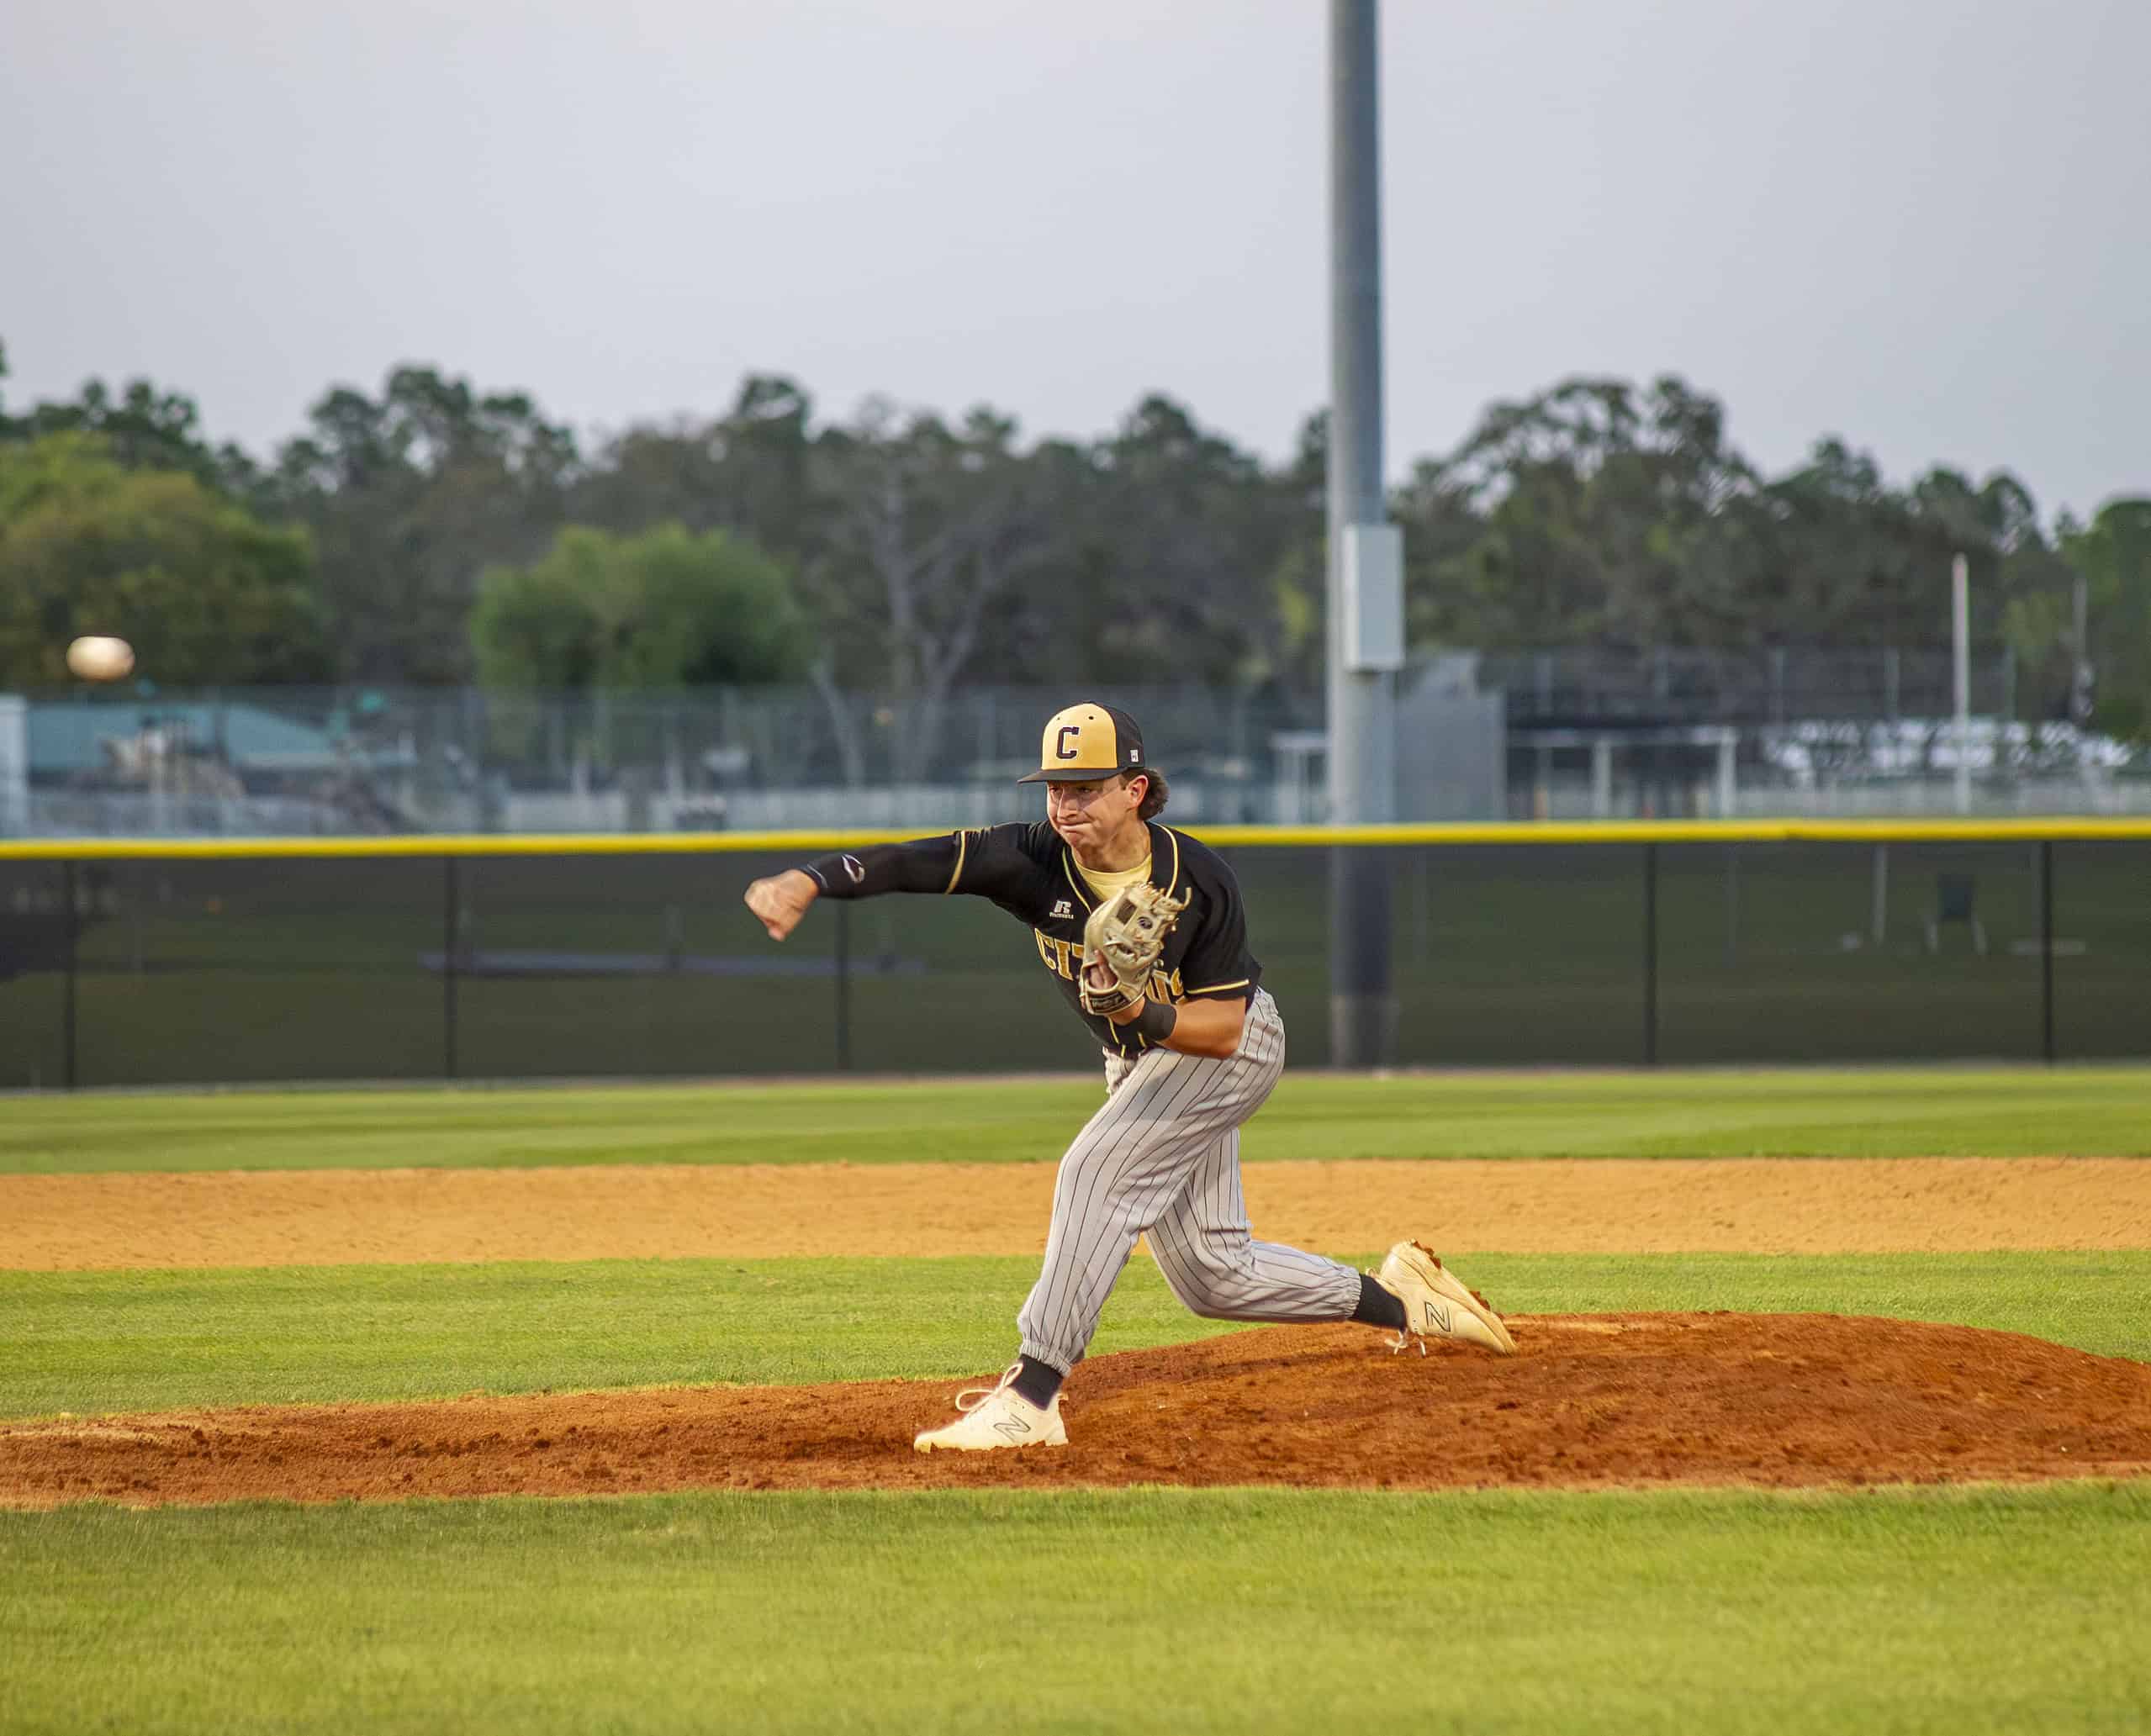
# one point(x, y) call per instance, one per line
point(1165, 986)
point(1064, 958)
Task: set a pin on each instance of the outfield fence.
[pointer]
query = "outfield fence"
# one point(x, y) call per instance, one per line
point(228, 961)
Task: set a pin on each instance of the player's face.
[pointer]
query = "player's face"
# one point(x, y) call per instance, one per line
point(1091, 810)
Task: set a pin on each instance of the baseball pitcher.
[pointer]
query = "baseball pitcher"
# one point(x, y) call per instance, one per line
point(1142, 931)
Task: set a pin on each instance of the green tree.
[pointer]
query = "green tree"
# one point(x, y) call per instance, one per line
point(1593, 512)
point(205, 592)
point(745, 471)
point(409, 497)
point(1166, 553)
point(2114, 555)
point(1598, 512)
point(929, 528)
point(1199, 535)
point(667, 608)
point(144, 427)
point(1296, 660)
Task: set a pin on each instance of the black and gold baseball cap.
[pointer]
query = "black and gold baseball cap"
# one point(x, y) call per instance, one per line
point(1085, 743)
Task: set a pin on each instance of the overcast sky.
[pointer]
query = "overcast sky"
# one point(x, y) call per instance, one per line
point(1922, 225)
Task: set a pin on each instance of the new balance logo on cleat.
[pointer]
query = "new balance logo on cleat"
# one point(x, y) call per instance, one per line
point(993, 1417)
point(1436, 1304)
point(1062, 910)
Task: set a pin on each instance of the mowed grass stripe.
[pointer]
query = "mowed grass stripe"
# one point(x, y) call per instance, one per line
point(1999, 1610)
point(1941, 1111)
point(94, 1343)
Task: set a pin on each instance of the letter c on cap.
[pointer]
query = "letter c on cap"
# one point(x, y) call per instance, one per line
point(1064, 748)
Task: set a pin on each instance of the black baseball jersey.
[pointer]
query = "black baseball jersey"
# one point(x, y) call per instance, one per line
point(1030, 872)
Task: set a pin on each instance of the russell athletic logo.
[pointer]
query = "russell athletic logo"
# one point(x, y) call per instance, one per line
point(1062, 910)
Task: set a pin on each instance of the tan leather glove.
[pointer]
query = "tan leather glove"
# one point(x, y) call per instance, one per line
point(1126, 934)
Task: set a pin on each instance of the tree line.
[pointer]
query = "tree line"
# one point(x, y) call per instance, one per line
point(435, 533)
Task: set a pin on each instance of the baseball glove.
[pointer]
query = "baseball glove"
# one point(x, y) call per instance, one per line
point(1127, 935)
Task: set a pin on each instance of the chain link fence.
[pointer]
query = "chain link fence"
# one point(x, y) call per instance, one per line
point(1518, 735)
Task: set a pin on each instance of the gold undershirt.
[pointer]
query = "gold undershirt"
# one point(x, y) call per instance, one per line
point(1105, 882)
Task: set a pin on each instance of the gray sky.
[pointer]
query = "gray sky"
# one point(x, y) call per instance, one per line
point(1921, 225)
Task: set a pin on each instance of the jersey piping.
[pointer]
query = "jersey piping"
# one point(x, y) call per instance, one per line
point(1075, 880)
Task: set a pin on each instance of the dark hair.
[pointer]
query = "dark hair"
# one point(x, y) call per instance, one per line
point(1154, 798)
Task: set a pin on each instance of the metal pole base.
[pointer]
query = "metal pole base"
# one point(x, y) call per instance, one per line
point(1362, 1030)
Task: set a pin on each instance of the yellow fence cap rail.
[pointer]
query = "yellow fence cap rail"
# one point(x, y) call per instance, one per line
point(2025, 828)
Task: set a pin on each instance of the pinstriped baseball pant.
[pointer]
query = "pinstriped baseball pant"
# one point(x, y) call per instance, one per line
point(1161, 1157)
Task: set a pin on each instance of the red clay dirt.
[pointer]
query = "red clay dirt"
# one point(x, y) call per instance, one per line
point(1773, 1401)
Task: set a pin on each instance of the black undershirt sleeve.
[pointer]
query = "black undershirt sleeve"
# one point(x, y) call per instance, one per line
point(922, 865)
point(987, 862)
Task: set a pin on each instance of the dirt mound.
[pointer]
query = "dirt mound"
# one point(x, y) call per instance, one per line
point(1773, 1400)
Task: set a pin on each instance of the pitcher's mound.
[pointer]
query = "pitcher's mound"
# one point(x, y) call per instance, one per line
point(1588, 1400)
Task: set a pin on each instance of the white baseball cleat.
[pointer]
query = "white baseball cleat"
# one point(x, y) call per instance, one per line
point(995, 1416)
point(1436, 1304)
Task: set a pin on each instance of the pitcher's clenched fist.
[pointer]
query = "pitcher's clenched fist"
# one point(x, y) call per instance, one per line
point(781, 901)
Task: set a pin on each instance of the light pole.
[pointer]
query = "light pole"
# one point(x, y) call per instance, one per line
point(1366, 564)
point(1960, 649)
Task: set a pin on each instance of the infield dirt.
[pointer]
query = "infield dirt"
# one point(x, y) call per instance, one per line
point(1777, 1401)
point(1604, 1206)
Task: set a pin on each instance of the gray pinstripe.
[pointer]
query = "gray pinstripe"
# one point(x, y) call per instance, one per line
point(1161, 1157)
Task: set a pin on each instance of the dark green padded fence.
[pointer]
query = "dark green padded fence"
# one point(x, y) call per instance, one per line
point(1631, 946)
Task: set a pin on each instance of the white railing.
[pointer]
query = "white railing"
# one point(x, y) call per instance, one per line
point(70, 815)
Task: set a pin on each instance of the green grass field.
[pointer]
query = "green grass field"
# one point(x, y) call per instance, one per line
point(1879, 1113)
point(2020, 1610)
point(95, 1342)
point(1890, 1611)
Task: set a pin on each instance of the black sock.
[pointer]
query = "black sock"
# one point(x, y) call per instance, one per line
point(1379, 1306)
point(1038, 1381)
